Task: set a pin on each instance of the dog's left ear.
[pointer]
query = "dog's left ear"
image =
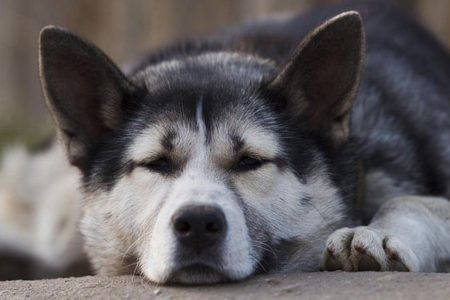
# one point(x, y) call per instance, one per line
point(321, 79)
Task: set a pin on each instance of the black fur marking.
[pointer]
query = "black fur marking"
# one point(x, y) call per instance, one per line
point(129, 167)
point(306, 200)
point(167, 141)
point(238, 143)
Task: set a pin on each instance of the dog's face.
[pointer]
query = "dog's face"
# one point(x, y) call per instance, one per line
point(210, 167)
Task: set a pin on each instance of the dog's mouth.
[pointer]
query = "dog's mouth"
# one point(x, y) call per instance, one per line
point(198, 273)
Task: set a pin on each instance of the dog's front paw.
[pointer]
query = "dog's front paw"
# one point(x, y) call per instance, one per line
point(363, 249)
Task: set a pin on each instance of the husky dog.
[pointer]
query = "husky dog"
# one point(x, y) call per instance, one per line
point(272, 147)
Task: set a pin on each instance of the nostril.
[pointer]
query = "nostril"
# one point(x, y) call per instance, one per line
point(182, 227)
point(213, 227)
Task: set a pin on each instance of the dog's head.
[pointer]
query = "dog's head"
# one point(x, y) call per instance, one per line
point(209, 167)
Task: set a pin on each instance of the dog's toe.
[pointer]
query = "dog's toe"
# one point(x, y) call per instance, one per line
point(401, 258)
point(337, 251)
point(367, 251)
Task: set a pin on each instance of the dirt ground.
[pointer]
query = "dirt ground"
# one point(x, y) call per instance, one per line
point(329, 285)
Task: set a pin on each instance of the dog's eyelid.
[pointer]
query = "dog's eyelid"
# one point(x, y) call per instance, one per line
point(258, 152)
point(160, 163)
point(151, 157)
point(254, 155)
point(249, 162)
point(262, 160)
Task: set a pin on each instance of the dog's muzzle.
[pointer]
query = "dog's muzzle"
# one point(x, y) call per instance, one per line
point(200, 236)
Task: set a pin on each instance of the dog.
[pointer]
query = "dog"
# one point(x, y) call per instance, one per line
point(318, 141)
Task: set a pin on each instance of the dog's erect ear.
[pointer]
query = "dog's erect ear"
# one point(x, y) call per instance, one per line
point(84, 89)
point(321, 79)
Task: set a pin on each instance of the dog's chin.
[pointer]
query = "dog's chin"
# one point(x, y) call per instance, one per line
point(197, 274)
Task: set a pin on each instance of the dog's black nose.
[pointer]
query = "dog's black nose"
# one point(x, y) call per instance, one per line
point(199, 226)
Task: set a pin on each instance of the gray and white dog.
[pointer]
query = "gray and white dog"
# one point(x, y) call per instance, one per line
point(282, 145)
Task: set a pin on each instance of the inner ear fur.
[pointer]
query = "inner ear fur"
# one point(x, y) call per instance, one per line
point(83, 88)
point(321, 79)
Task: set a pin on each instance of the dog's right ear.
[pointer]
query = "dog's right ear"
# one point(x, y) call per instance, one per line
point(84, 90)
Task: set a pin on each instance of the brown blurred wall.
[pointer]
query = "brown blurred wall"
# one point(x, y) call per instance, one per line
point(124, 29)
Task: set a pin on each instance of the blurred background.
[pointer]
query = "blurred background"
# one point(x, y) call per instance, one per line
point(124, 29)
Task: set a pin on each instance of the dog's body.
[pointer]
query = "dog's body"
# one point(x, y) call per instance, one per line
point(218, 159)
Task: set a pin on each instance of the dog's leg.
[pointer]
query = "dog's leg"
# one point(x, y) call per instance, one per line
point(407, 234)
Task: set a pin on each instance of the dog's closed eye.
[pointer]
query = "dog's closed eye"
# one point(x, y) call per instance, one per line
point(248, 163)
point(162, 164)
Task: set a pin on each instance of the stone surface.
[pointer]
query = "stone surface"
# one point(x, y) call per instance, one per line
point(328, 285)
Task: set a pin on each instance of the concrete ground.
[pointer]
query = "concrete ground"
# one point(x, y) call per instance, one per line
point(329, 285)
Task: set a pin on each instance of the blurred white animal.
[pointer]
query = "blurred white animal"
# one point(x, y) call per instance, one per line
point(39, 210)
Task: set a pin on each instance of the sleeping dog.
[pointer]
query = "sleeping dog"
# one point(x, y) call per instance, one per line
point(320, 141)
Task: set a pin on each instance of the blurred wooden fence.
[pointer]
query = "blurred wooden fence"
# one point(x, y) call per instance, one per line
point(124, 29)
